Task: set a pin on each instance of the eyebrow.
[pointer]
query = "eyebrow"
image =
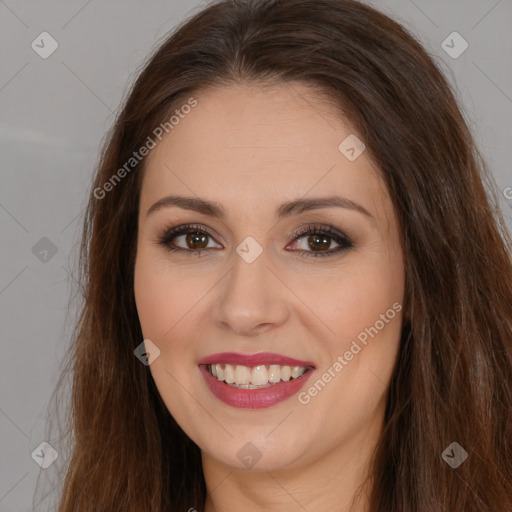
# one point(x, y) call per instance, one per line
point(215, 209)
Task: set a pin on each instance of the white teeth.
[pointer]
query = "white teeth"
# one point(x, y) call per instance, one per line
point(229, 374)
point(296, 372)
point(286, 373)
point(259, 376)
point(219, 371)
point(255, 377)
point(242, 375)
point(274, 373)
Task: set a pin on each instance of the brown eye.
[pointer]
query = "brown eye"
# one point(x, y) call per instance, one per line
point(195, 239)
point(319, 242)
point(318, 239)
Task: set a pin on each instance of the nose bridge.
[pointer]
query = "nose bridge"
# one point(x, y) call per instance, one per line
point(250, 270)
point(252, 296)
point(248, 282)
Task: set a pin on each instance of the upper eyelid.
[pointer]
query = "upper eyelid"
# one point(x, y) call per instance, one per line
point(331, 231)
point(339, 237)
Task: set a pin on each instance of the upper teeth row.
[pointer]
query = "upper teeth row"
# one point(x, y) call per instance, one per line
point(257, 375)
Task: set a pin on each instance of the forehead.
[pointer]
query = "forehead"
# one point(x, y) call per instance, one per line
point(281, 141)
point(278, 118)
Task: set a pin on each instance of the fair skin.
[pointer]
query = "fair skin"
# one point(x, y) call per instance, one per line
point(250, 150)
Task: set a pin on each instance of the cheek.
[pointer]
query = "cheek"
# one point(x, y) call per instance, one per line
point(364, 311)
point(151, 299)
point(162, 303)
point(356, 296)
point(162, 295)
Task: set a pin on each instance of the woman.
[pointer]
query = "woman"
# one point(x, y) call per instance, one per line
point(297, 294)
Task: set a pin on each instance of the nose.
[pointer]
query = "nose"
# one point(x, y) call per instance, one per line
point(252, 299)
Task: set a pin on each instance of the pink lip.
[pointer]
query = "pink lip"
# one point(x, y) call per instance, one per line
point(253, 398)
point(252, 360)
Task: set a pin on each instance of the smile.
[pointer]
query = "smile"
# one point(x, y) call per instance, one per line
point(258, 377)
point(254, 381)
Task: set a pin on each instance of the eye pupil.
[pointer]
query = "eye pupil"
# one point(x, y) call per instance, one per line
point(319, 241)
point(317, 238)
point(191, 237)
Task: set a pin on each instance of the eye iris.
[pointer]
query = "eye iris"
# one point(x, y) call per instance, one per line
point(192, 237)
point(319, 241)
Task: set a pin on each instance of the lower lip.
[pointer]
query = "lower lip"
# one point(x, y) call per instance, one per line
point(254, 398)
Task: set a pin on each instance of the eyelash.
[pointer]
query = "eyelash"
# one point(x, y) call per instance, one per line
point(340, 238)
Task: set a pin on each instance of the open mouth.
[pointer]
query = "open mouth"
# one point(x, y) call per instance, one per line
point(255, 377)
point(254, 381)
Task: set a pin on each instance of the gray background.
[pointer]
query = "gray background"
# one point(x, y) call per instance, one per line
point(54, 113)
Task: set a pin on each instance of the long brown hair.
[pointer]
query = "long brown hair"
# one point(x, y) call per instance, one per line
point(453, 376)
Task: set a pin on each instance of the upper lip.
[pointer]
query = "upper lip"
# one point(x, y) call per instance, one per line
point(252, 359)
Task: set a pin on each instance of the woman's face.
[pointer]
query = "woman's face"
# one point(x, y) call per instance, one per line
point(309, 328)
